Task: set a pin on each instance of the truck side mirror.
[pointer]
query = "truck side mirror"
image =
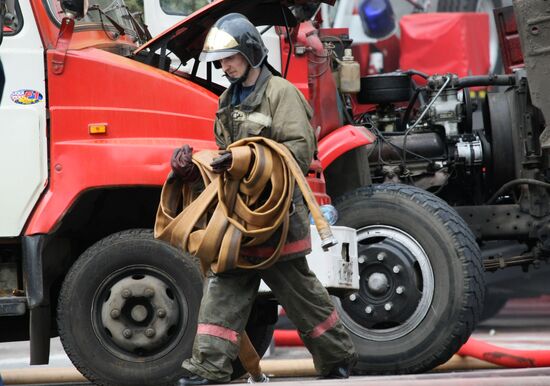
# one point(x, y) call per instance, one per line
point(75, 9)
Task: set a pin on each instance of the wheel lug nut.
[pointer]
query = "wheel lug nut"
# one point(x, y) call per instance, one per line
point(149, 292)
point(396, 268)
point(368, 310)
point(362, 259)
point(388, 306)
point(127, 333)
point(115, 313)
point(381, 256)
point(161, 313)
point(150, 332)
point(126, 293)
point(399, 290)
point(352, 297)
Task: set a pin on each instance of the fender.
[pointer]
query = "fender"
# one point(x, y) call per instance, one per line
point(81, 165)
point(342, 140)
point(147, 113)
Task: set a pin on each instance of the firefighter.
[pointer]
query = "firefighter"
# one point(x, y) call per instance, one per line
point(258, 103)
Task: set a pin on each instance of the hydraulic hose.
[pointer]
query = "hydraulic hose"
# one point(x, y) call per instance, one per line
point(485, 80)
point(520, 181)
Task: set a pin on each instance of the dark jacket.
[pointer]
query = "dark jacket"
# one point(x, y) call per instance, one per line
point(276, 109)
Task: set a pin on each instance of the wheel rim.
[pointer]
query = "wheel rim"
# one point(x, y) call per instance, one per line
point(396, 285)
point(139, 313)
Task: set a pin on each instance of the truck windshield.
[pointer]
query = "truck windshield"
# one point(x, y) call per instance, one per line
point(181, 7)
point(115, 9)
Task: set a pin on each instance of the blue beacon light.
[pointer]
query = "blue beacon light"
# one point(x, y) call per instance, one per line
point(377, 17)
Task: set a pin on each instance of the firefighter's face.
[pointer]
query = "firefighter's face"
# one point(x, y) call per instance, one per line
point(234, 66)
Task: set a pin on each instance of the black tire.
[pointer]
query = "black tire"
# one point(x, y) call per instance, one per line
point(91, 285)
point(93, 335)
point(411, 239)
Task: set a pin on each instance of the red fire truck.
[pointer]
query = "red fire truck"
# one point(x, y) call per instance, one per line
point(91, 112)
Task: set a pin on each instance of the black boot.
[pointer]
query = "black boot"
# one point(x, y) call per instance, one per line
point(196, 380)
point(341, 370)
point(338, 372)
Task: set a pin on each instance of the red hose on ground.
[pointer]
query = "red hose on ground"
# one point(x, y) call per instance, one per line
point(287, 338)
point(473, 348)
point(505, 356)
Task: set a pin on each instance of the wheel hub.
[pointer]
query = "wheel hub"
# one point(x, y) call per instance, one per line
point(390, 286)
point(378, 283)
point(396, 285)
point(139, 313)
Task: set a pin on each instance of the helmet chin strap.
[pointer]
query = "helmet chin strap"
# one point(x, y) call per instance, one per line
point(241, 78)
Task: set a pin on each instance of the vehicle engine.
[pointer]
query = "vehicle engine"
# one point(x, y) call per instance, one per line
point(438, 138)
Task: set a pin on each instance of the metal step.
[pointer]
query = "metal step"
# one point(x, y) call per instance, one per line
point(13, 305)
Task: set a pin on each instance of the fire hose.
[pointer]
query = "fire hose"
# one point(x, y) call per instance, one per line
point(503, 356)
point(241, 211)
point(474, 348)
point(243, 207)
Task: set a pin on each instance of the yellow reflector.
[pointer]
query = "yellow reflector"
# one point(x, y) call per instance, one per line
point(97, 128)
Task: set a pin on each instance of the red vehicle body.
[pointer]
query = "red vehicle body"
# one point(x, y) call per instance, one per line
point(112, 124)
point(145, 124)
point(116, 110)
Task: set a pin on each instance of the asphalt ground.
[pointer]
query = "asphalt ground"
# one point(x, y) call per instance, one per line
point(521, 324)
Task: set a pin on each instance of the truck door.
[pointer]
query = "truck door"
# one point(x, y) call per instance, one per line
point(23, 145)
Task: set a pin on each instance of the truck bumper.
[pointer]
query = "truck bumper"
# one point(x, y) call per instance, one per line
point(337, 269)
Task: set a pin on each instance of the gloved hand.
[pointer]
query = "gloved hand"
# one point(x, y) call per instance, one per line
point(223, 162)
point(182, 164)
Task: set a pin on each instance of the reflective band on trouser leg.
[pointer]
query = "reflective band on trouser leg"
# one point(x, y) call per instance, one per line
point(321, 328)
point(308, 305)
point(218, 331)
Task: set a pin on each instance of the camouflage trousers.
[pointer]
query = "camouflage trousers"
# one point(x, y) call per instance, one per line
point(226, 305)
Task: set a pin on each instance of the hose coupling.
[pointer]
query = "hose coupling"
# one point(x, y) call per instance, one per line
point(328, 242)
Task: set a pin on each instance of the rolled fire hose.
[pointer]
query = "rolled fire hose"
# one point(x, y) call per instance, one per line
point(228, 213)
point(231, 213)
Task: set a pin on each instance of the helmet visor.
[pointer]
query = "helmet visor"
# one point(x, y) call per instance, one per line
point(216, 55)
